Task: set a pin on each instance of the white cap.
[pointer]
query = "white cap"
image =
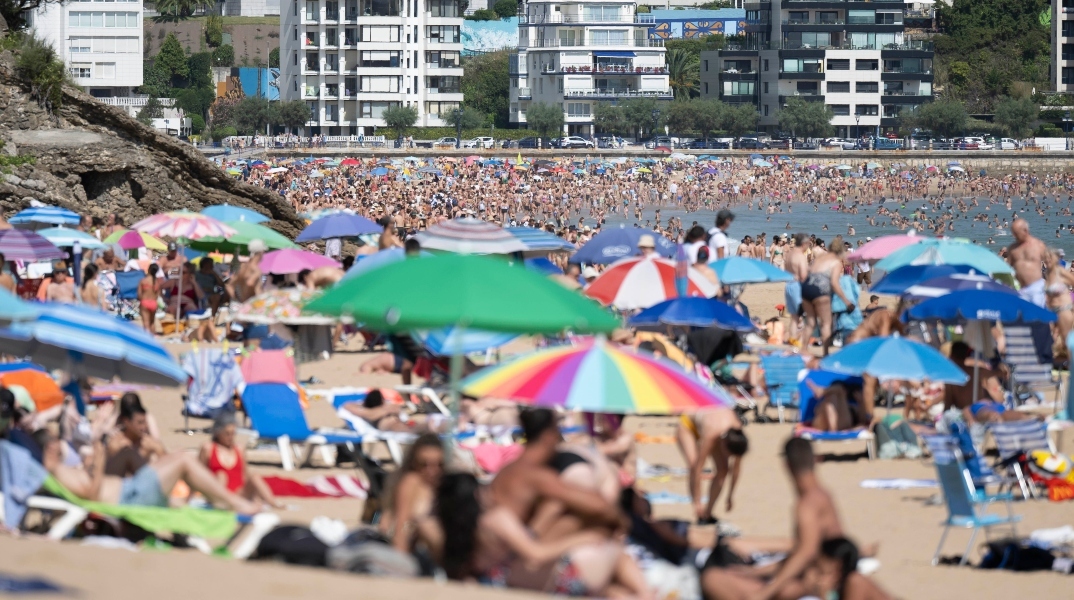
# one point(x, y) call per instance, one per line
point(868, 239)
point(257, 247)
point(589, 273)
point(646, 241)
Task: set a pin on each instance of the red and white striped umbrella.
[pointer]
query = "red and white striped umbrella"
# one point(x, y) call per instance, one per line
point(183, 224)
point(641, 282)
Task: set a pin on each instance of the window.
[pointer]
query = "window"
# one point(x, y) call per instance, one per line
point(81, 45)
point(81, 71)
point(444, 84)
point(706, 66)
point(608, 37)
point(601, 12)
point(802, 65)
point(314, 113)
point(312, 13)
point(311, 38)
point(375, 110)
point(331, 61)
point(766, 110)
point(828, 17)
point(331, 89)
point(840, 110)
point(1068, 28)
point(331, 37)
point(838, 87)
point(866, 65)
point(443, 34)
point(1068, 51)
point(380, 33)
point(103, 19)
point(766, 64)
point(443, 59)
point(861, 17)
point(807, 88)
point(888, 18)
point(873, 41)
point(766, 87)
point(294, 58)
point(797, 16)
point(331, 10)
point(379, 58)
point(1068, 75)
point(866, 110)
point(866, 87)
point(378, 83)
point(443, 8)
point(577, 109)
point(350, 36)
point(313, 63)
point(706, 88)
point(350, 86)
point(738, 88)
point(331, 112)
point(380, 8)
point(837, 64)
point(807, 39)
point(440, 108)
point(892, 111)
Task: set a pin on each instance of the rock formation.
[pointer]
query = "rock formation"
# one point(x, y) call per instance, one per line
point(95, 159)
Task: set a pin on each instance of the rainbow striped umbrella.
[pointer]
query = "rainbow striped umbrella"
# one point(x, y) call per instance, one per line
point(183, 224)
point(597, 377)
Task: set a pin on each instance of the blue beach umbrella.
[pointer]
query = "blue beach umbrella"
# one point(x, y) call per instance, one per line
point(13, 308)
point(895, 357)
point(91, 343)
point(940, 286)
point(613, 244)
point(539, 240)
point(227, 212)
point(985, 305)
point(63, 237)
point(452, 340)
point(37, 217)
point(693, 312)
point(738, 270)
point(543, 266)
point(945, 252)
point(379, 171)
point(897, 281)
point(338, 225)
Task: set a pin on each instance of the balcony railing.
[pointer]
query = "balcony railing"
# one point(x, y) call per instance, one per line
point(312, 93)
point(603, 70)
point(905, 93)
point(918, 13)
point(807, 71)
point(916, 71)
point(559, 18)
point(331, 92)
point(525, 93)
point(616, 93)
point(734, 71)
point(557, 43)
point(133, 101)
point(816, 22)
point(311, 68)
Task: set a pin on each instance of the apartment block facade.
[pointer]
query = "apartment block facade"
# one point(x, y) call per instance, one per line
point(350, 60)
point(853, 56)
point(577, 53)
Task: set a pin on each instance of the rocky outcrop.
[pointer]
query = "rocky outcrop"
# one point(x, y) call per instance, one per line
point(96, 160)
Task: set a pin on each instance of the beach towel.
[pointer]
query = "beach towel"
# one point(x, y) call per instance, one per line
point(20, 477)
point(898, 483)
point(9, 584)
point(336, 486)
point(215, 377)
point(664, 497)
point(647, 470)
point(493, 457)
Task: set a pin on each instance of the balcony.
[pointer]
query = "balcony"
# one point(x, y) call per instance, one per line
point(559, 19)
point(516, 66)
point(525, 93)
point(331, 15)
point(604, 70)
point(568, 43)
point(807, 96)
point(311, 68)
point(918, 13)
point(814, 22)
point(924, 45)
point(331, 91)
point(908, 70)
point(312, 92)
point(905, 93)
point(617, 93)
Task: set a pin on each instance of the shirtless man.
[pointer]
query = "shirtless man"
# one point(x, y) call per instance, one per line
point(881, 322)
point(796, 263)
point(816, 520)
point(712, 433)
point(172, 262)
point(108, 261)
point(530, 480)
point(6, 280)
point(248, 279)
point(61, 289)
point(1026, 255)
point(134, 447)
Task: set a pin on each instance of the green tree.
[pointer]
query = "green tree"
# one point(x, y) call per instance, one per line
point(946, 118)
point(224, 56)
point(609, 118)
point(291, 114)
point(468, 117)
point(252, 115)
point(639, 115)
point(680, 116)
point(400, 118)
point(483, 15)
point(274, 58)
point(214, 30)
point(739, 119)
point(181, 9)
point(222, 113)
point(152, 110)
point(197, 124)
point(545, 119)
point(684, 73)
point(171, 60)
point(42, 70)
point(200, 70)
point(709, 116)
point(506, 8)
point(194, 101)
point(697, 45)
point(1017, 116)
point(807, 119)
point(486, 85)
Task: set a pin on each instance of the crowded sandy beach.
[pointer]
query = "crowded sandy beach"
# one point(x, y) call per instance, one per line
point(681, 377)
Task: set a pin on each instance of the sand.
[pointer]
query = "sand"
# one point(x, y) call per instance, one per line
point(901, 521)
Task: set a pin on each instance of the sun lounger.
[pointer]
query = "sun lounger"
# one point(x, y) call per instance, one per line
point(807, 404)
point(961, 498)
point(1015, 438)
point(781, 381)
point(276, 415)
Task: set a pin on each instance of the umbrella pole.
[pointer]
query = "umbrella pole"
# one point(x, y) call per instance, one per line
point(179, 300)
point(976, 375)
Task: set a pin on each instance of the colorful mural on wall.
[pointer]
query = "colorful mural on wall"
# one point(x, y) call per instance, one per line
point(486, 36)
point(679, 24)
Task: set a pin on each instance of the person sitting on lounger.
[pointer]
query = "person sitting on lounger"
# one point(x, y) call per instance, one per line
point(989, 406)
point(838, 407)
point(411, 492)
point(151, 485)
point(717, 434)
point(224, 459)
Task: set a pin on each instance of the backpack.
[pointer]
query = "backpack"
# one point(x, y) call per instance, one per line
point(1012, 556)
point(293, 545)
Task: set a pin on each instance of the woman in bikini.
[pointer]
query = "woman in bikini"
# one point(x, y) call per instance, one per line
point(1057, 287)
point(224, 460)
point(148, 291)
point(817, 290)
point(411, 492)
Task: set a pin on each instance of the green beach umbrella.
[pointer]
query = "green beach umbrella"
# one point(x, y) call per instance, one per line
point(245, 232)
point(471, 291)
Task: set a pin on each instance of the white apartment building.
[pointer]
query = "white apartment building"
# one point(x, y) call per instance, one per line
point(352, 59)
point(100, 42)
point(580, 52)
point(248, 8)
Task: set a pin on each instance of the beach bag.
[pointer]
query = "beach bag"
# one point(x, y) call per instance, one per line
point(293, 545)
point(1011, 555)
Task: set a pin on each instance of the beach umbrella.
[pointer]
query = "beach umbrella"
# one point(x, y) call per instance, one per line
point(281, 306)
point(234, 172)
point(276, 170)
point(369, 262)
point(245, 232)
point(759, 162)
point(596, 376)
point(338, 225)
point(473, 291)
point(349, 162)
point(315, 174)
point(871, 166)
point(290, 260)
point(738, 270)
point(641, 282)
point(19, 244)
point(430, 171)
point(13, 308)
point(539, 241)
point(226, 212)
point(451, 340)
point(379, 171)
point(543, 266)
point(470, 236)
point(39, 217)
point(91, 343)
point(613, 244)
point(881, 247)
point(129, 240)
point(897, 281)
point(895, 358)
point(692, 312)
point(945, 284)
point(844, 167)
point(985, 305)
point(945, 251)
point(67, 238)
point(183, 224)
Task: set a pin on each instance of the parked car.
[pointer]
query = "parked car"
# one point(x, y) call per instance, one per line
point(533, 142)
point(610, 141)
point(805, 146)
point(574, 141)
point(981, 143)
point(746, 143)
point(781, 144)
point(445, 142)
point(885, 143)
point(1008, 144)
point(660, 142)
point(840, 143)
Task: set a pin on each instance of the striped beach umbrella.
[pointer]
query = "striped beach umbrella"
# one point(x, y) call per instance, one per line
point(40, 217)
point(641, 282)
point(470, 236)
point(539, 241)
point(130, 240)
point(183, 224)
point(227, 212)
point(596, 376)
point(19, 244)
point(66, 238)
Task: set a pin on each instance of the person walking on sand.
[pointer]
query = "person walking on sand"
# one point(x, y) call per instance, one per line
point(717, 434)
point(797, 264)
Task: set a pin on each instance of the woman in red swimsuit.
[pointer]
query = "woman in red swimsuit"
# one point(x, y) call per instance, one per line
point(225, 461)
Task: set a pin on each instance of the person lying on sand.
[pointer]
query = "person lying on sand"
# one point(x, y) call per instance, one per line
point(714, 433)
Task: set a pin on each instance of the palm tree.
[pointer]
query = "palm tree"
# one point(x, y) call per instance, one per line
point(684, 73)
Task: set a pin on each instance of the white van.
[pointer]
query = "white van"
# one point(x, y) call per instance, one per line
point(1008, 144)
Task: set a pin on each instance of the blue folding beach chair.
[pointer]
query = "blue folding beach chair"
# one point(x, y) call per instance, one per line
point(126, 294)
point(781, 381)
point(807, 403)
point(960, 496)
point(937, 443)
point(276, 414)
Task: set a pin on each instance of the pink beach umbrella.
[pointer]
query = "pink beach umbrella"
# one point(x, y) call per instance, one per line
point(183, 224)
point(881, 247)
point(289, 260)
